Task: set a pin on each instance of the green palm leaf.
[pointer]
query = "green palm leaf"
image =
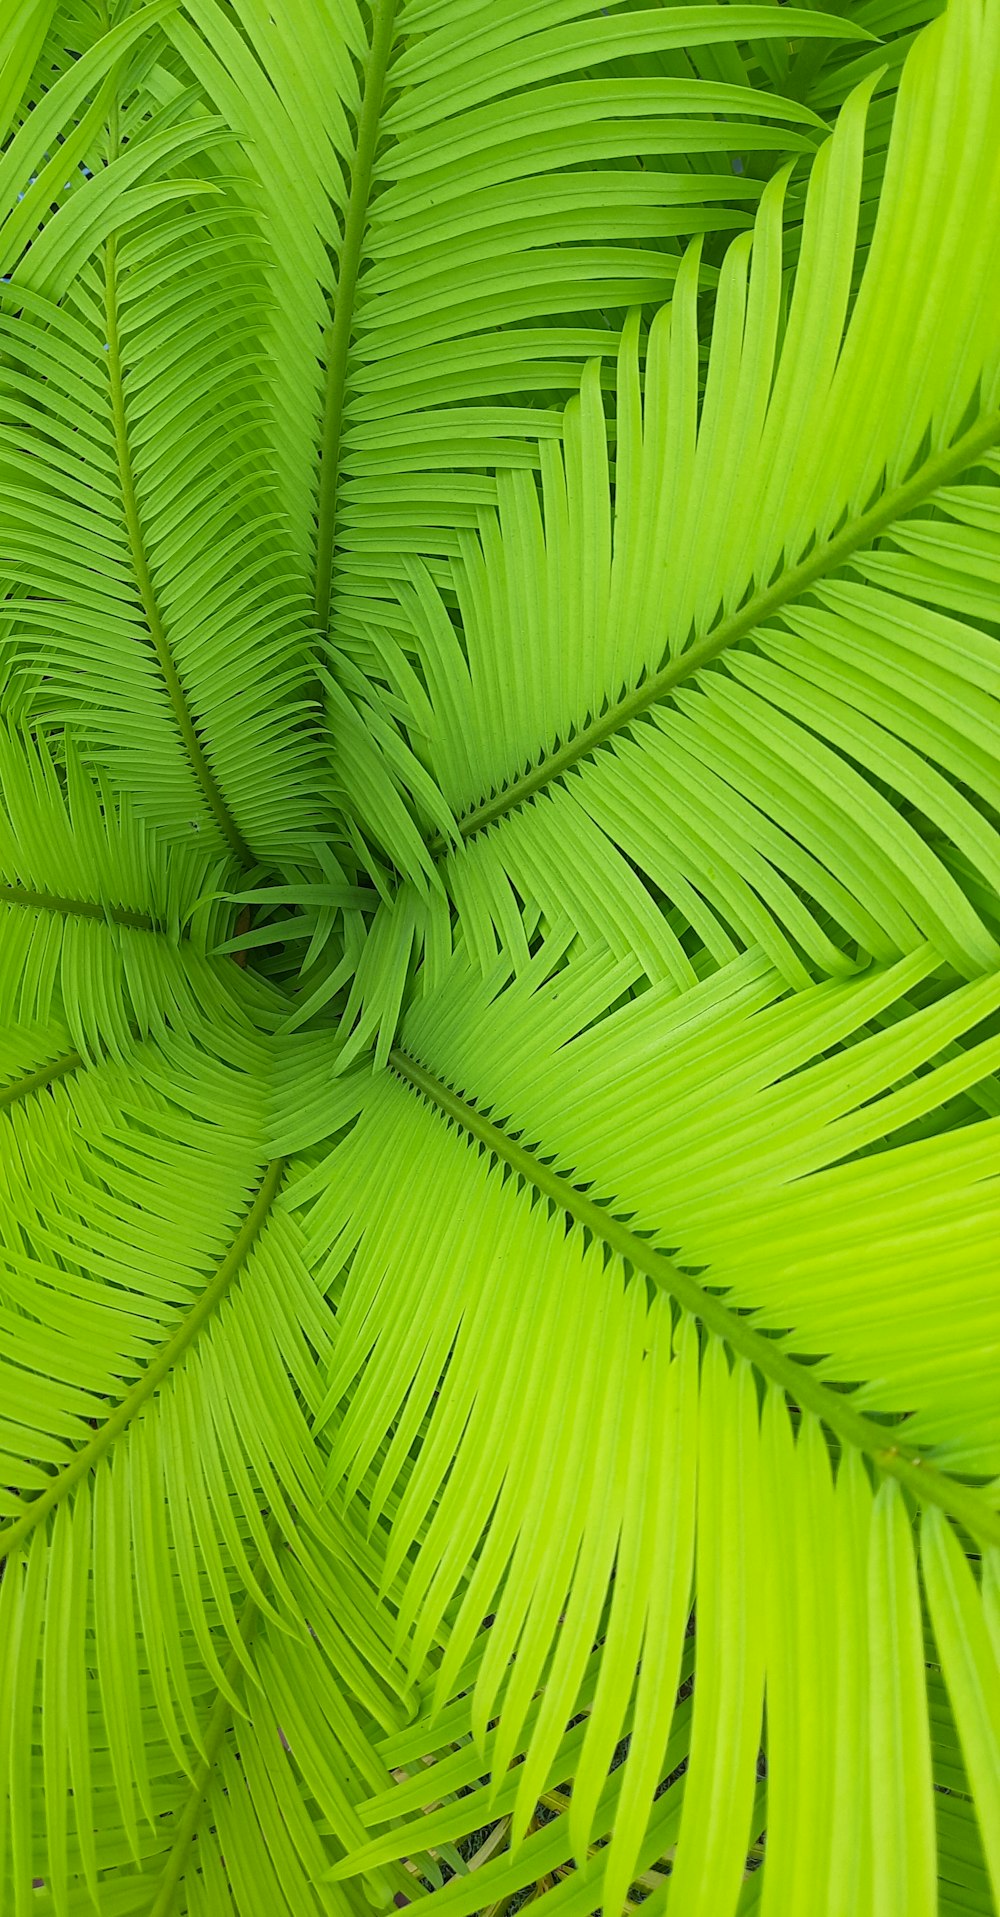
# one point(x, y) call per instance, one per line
point(499, 969)
point(144, 1422)
point(670, 583)
point(102, 923)
point(152, 589)
point(441, 184)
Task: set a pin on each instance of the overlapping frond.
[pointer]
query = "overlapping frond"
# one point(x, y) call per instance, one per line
point(287, 82)
point(496, 190)
point(103, 924)
point(497, 1351)
point(152, 594)
point(534, 1376)
point(734, 1110)
point(164, 1349)
point(634, 683)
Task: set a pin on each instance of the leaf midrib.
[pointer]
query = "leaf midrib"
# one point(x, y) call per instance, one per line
point(824, 559)
point(176, 695)
point(68, 908)
point(338, 338)
point(179, 1854)
point(13, 1534)
point(897, 1460)
point(37, 1080)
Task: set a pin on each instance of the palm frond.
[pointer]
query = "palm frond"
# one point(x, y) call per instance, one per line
point(417, 406)
point(101, 923)
point(459, 1350)
point(718, 1112)
point(499, 968)
point(158, 1475)
point(152, 595)
point(592, 631)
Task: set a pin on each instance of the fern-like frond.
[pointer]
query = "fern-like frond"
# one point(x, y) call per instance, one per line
point(456, 292)
point(102, 922)
point(438, 1339)
point(499, 958)
point(716, 1114)
point(153, 598)
point(164, 1348)
point(591, 634)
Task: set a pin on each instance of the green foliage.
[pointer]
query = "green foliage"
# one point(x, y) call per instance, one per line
point(500, 964)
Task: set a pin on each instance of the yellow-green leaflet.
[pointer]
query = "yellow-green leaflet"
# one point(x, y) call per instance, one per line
point(499, 958)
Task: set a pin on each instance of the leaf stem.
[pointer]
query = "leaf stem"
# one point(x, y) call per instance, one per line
point(896, 1460)
point(338, 337)
point(30, 900)
point(215, 1730)
point(43, 1075)
point(144, 580)
point(824, 558)
point(13, 1534)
